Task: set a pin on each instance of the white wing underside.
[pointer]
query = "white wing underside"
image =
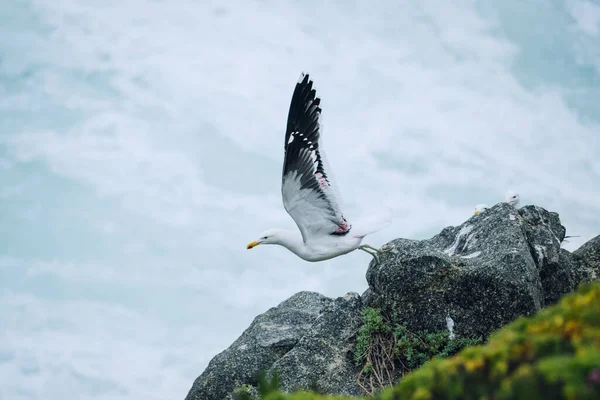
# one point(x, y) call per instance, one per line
point(316, 213)
point(334, 190)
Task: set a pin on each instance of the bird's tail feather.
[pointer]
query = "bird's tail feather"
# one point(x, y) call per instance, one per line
point(373, 223)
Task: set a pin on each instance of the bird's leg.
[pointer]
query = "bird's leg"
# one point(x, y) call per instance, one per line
point(373, 251)
point(363, 248)
point(374, 254)
point(376, 257)
point(366, 246)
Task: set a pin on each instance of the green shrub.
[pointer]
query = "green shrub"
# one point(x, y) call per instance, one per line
point(552, 355)
point(373, 324)
point(386, 349)
point(415, 348)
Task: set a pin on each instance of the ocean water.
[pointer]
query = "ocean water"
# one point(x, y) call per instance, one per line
point(141, 145)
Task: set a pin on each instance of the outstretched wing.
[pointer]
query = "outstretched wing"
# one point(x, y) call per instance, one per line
point(309, 195)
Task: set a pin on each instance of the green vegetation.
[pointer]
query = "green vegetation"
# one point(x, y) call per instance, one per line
point(386, 349)
point(373, 324)
point(266, 388)
point(552, 355)
point(269, 390)
point(248, 392)
point(416, 348)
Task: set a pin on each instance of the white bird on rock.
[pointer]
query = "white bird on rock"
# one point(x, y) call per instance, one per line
point(479, 208)
point(310, 196)
point(511, 197)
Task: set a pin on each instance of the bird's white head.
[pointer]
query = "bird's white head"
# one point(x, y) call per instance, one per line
point(511, 197)
point(479, 208)
point(271, 236)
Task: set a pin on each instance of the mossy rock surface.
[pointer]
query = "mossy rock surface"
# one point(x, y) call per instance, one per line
point(554, 354)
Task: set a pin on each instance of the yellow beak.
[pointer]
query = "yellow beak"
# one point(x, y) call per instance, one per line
point(252, 244)
point(476, 212)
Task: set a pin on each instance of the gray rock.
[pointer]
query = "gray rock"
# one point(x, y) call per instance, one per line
point(588, 256)
point(369, 298)
point(481, 274)
point(323, 359)
point(559, 277)
point(542, 225)
point(560, 271)
point(544, 234)
point(270, 336)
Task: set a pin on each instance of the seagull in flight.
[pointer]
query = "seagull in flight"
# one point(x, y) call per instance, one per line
point(309, 193)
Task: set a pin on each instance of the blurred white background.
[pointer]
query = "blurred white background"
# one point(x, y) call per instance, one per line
point(141, 145)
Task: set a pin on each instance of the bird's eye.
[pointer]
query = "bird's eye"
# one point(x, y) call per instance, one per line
point(264, 237)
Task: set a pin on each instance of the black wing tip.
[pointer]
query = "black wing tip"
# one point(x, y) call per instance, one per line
point(305, 93)
point(304, 78)
point(305, 110)
point(306, 85)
